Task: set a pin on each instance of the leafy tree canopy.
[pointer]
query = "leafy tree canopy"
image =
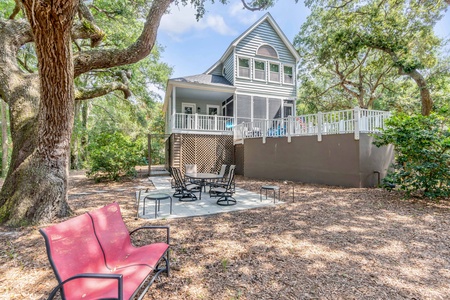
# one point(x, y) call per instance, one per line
point(396, 34)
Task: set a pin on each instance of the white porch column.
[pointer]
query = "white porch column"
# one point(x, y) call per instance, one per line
point(174, 107)
point(289, 121)
point(319, 126)
point(357, 118)
point(264, 131)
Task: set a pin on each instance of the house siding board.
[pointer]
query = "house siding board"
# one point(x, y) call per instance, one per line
point(217, 71)
point(229, 67)
point(264, 34)
point(265, 89)
point(202, 104)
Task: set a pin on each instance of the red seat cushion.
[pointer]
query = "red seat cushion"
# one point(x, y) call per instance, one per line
point(88, 288)
point(115, 240)
point(74, 248)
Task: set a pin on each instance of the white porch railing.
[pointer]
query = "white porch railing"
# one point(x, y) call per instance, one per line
point(338, 122)
point(196, 122)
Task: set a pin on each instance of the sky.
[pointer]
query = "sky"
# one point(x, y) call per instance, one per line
point(191, 47)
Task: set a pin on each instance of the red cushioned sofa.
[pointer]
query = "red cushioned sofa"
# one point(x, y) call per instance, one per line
point(93, 258)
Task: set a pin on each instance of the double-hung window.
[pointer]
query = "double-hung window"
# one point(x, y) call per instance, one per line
point(288, 74)
point(260, 70)
point(244, 67)
point(274, 74)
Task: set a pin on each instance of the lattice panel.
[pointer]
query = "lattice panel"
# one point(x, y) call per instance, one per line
point(188, 153)
point(209, 152)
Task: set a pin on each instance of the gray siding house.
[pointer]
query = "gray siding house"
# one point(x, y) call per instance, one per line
point(255, 79)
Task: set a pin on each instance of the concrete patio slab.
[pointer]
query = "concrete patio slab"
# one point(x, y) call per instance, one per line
point(206, 206)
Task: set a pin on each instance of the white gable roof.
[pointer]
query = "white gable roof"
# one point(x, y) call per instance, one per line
point(267, 17)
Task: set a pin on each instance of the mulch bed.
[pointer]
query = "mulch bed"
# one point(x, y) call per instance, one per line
point(330, 243)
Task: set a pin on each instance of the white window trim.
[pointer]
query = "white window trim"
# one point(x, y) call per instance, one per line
point(188, 104)
point(293, 74)
point(265, 44)
point(279, 71)
point(249, 67)
point(208, 106)
point(265, 69)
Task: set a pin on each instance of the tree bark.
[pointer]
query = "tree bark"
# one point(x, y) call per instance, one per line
point(42, 105)
point(425, 95)
point(46, 162)
point(4, 139)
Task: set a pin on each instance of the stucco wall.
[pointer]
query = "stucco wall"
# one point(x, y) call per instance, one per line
point(336, 160)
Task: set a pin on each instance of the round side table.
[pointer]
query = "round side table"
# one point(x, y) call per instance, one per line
point(157, 198)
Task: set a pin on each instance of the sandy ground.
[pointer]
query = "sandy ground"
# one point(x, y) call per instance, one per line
point(330, 243)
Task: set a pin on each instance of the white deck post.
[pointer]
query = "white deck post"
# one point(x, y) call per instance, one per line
point(357, 118)
point(264, 131)
point(288, 128)
point(174, 108)
point(196, 121)
point(215, 122)
point(319, 126)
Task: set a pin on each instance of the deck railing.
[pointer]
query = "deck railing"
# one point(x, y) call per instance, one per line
point(338, 122)
point(197, 122)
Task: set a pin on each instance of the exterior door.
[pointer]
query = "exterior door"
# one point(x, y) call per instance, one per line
point(188, 110)
point(288, 110)
point(213, 109)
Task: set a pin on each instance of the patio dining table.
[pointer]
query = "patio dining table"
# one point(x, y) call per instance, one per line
point(204, 177)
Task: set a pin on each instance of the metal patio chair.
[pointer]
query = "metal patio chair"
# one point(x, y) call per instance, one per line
point(185, 191)
point(191, 168)
point(222, 172)
point(225, 193)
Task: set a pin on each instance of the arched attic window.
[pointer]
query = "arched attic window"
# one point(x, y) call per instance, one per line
point(267, 50)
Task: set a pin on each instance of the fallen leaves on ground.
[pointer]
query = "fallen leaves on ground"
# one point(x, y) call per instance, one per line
point(329, 243)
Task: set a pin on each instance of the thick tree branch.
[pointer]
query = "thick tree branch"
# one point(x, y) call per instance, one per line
point(24, 65)
point(85, 94)
point(109, 14)
point(98, 59)
point(252, 7)
point(16, 10)
point(88, 30)
point(85, 13)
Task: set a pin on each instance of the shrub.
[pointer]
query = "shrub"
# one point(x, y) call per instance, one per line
point(422, 145)
point(113, 155)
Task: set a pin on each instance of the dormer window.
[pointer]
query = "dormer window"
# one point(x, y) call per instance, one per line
point(244, 67)
point(267, 50)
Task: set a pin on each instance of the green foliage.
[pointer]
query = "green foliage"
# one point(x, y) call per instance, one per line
point(358, 52)
point(422, 146)
point(6, 8)
point(113, 155)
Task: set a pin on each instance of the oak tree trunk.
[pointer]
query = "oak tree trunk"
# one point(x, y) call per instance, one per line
point(44, 141)
point(42, 105)
point(4, 139)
